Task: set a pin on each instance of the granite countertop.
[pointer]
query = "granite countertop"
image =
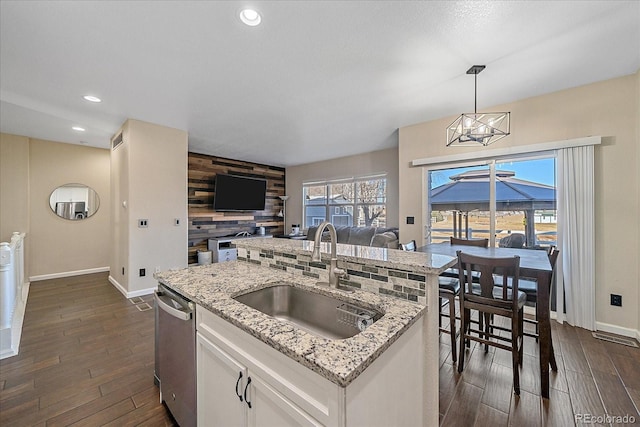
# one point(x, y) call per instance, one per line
point(340, 361)
point(418, 262)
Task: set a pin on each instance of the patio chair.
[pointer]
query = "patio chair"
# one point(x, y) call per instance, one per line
point(492, 300)
point(513, 240)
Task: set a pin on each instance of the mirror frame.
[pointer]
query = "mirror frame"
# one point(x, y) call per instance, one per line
point(79, 206)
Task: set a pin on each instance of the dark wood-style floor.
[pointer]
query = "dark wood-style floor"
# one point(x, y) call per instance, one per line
point(594, 378)
point(86, 358)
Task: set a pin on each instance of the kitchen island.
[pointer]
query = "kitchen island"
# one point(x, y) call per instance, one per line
point(386, 374)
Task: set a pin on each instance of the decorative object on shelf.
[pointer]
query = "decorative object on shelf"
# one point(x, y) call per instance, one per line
point(478, 128)
point(283, 212)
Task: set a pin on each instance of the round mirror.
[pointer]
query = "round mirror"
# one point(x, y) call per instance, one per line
point(74, 201)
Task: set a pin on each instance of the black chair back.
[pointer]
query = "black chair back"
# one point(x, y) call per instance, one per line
point(483, 243)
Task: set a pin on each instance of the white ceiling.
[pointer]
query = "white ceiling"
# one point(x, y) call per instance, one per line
point(316, 80)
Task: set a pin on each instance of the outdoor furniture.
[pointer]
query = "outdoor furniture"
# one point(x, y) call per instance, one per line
point(469, 191)
point(534, 264)
point(514, 240)
point(492, 300)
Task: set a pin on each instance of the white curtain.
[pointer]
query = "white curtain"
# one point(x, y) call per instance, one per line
point(575, 273)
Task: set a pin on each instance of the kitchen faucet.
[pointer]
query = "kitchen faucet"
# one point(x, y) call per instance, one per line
point(334, 272)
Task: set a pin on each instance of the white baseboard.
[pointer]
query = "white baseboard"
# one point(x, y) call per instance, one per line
point(68, 274)
point(132, 294)
point(619, 330)
point(14, 335)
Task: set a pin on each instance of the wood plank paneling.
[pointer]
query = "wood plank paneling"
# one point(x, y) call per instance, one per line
point(205, 222)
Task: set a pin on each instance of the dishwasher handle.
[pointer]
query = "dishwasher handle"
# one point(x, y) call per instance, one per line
point(182, 315)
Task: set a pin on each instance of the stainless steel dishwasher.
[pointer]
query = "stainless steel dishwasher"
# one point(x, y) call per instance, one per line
point(175, 359)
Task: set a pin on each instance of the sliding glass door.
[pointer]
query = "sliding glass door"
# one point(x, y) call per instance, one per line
point(509, 201)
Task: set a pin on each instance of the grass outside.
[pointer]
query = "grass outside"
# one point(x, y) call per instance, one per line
point(506, 223)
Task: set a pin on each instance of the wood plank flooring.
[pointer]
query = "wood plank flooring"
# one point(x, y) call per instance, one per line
point(86, 359)
point(594, 378)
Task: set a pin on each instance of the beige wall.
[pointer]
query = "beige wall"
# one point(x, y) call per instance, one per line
point(58, 245)
point(358, 165)
point(30, 170)
point(150, 175)
point(609, 109)
point(637, 274)
point(14, 185)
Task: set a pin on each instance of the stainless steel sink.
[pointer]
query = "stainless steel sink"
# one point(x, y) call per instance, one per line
point(316, 313)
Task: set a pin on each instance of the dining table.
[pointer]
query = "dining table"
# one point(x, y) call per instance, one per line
point(534, 264)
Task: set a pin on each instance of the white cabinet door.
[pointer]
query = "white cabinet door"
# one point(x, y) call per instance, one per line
point(221, 385)
point(271, 409)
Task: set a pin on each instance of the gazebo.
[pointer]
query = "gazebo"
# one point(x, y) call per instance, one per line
point(469, 191)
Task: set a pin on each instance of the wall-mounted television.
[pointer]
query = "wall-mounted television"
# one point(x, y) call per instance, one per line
point(239, 193)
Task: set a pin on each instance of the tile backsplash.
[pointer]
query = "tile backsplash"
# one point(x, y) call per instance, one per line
point(397, 283)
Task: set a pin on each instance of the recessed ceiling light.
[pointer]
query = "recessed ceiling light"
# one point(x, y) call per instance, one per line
point(92, 98)
point(78, 128)
point(250, 17)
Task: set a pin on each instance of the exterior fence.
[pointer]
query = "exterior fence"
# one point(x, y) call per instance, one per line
point(13, 293)
point(544, 238)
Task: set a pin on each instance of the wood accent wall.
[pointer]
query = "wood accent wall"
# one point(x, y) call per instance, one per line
point(205, 222)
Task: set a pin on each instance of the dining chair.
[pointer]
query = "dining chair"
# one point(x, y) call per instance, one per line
point(448, 289)
point(530, 288)
point(409, 246)
point(492, 301)
point(483, 243)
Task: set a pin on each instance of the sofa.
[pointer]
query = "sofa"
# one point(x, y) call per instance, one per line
point(379, 237)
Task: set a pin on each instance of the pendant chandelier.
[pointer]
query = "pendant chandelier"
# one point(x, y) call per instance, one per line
point(475, 128)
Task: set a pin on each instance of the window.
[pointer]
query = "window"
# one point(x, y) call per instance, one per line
point(354, 202)
point(525, 201)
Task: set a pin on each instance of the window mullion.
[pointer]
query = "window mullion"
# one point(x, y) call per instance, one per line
point(492, 203)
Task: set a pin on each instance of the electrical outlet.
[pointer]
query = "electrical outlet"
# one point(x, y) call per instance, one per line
point(616, 300)
point(143, 223)
point(410, 220)
point(157, 270)
point(143, 272)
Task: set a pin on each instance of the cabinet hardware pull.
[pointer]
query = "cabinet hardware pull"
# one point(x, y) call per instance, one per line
point(245, 392)
point(237, 384)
